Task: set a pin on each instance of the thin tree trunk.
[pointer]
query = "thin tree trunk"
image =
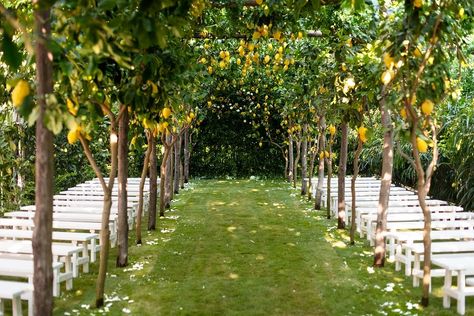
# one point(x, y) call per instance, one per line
point(107, 188)
point(186, 155)
point(353, 190)
point(163, 176)
point(314, 152)
point(291, 161)
point(177, 164)
point(153, 185)
point(181, 174)
point(304, 160)
point(104, 250)
point(122, 225)
point(44, 169)
point(138, 225)
point(341, 188)
point(322, 145)
point(423, 187)
point(169, 175)
point(285, 156)
point(328, 189)
point(385, 183)
point(297, 160)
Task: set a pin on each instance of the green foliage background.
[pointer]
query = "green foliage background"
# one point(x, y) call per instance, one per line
point(228, 146)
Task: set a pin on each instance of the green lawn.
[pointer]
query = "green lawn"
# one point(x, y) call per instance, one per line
point(248, 247)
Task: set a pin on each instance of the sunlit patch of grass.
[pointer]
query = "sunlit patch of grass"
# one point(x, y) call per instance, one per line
point(217, 203)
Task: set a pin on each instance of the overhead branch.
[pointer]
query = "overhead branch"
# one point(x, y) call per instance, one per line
point(207, 35)
point(253, 3)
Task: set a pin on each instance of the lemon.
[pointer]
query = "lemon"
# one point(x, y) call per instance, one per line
point(267, 59)
point(166, 112)
point(421, 145)
point(256, 35)
point(427, 107)
point(417, 3)
point(72, 137)
point(326, 154)
point(209, 70)
point(259, 2)
point(277, 35)
point(20, 92)
point(388, 60)
point(71, 107)
point(417, 52)
point(73, 134)
point(300, 35)
point(403, 113)
point(321, 155)
point(222, 54)
point(238, 61)
point(332, 130)
point(362, 133)
point(387, 77)
point(192, 115)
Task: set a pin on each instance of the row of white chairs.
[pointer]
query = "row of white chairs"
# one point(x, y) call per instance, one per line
point(452, 233)
point(77, 216)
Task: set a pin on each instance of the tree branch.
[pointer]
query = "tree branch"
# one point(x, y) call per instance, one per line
point(404, 155)
point(93, 163)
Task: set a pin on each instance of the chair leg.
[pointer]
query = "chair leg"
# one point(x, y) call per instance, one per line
point(16, 306)
point(2, 307)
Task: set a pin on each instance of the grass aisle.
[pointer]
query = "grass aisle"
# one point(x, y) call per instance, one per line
point(244, 247)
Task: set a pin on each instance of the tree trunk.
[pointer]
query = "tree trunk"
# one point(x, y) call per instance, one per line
point(322, 145)
point(341, 188)
point(353, 190)
point(44, 170)
point(304, 160)
point(169, 174)
point(297, 160)
point(177, 164)
point(122, 225)
point(186, 155)
point(104, 249)
point(285, 156)
point(291, 158)
point(426, 240)
point(138, 225)
point(181, 174)
point(314, 152)
point(163, 176)
point(153, 185)
point(423, 187)
point(385, 183)
point(328, 188)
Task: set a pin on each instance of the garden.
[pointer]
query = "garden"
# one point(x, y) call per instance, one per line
point(241, 157)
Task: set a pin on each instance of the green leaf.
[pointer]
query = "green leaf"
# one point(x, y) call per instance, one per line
point(11, 54)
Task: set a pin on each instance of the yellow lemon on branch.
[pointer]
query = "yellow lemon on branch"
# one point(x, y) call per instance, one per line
point(421, 145)
point(20, 92)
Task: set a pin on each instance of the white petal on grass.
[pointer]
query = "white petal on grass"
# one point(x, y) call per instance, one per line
point(370, 270)
point(126, 310)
